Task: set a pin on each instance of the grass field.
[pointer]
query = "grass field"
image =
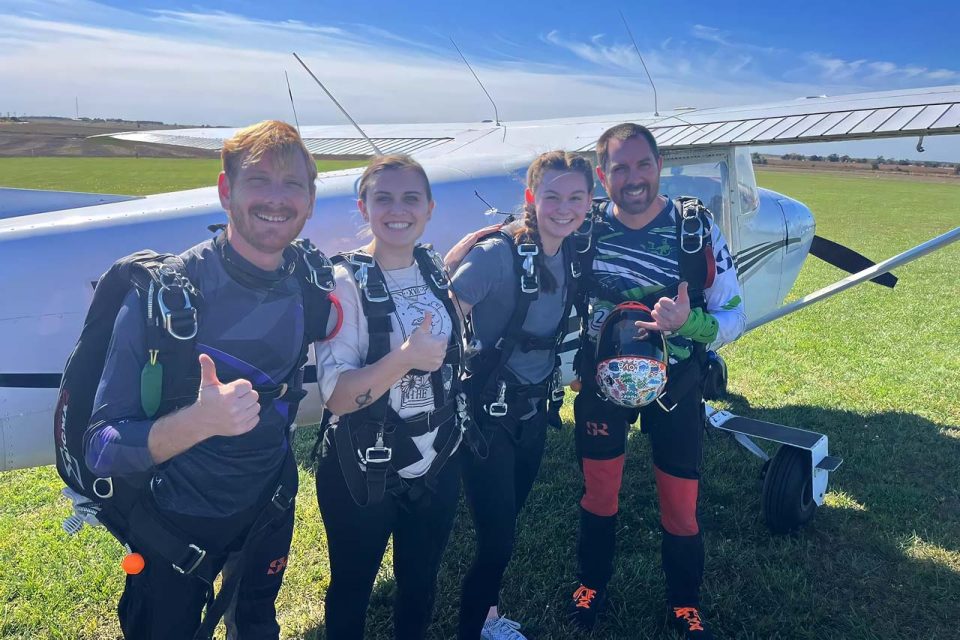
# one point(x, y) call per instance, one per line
point(128, 176)
point(874, 369)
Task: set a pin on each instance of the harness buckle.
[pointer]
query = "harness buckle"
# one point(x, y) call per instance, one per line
point(363, 263)
point(439, 273)
point(194, 558)
point(499, 408)
point(529, 280)
point(320, 276)
point(281, 500)
point(556, 386)
point(529, 283)
point(575, 270)
point(691, 235)
point(378, 454)
point(167, 314)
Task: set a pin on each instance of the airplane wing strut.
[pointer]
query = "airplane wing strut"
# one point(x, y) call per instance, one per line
point(862, 276)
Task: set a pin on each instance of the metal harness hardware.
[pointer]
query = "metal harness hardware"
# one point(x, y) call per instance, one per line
point(171, 281)
point(691, 229)
point(499, 408)
point(439, 273)
point(378, 291)
point(321, 274)
point(529, 280)
point(377, 454)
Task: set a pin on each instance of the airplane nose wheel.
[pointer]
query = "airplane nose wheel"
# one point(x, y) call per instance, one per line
point(787, 499)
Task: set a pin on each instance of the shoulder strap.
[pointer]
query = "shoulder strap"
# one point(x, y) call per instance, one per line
point(170, 311)
point(695, 256)
point(434, 273)
point(315, 274)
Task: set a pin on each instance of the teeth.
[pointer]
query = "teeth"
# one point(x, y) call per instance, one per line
point(398, 225)
point(271, 218)
point(563, 220)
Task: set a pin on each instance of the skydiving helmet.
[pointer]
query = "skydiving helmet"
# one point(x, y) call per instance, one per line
point(631, 362)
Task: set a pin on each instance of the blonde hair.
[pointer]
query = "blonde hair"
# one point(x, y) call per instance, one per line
point(397, 161)
point(249, 144)
point(527, 230)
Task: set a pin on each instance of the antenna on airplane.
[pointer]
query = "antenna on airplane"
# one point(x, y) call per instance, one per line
point(496, 114)
point(376, 149)
point(292, 105)
point(656, 106)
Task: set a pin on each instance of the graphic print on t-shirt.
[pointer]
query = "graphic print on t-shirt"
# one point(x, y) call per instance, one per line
point(412, 303)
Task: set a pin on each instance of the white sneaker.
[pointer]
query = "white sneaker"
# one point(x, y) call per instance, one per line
point(501, 629)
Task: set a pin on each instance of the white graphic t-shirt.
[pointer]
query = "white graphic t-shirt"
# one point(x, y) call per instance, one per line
point(413, 394)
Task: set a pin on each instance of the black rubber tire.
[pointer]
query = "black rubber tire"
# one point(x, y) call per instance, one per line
point(787, 500)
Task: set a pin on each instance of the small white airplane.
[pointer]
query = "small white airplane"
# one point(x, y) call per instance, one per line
point(55, 245)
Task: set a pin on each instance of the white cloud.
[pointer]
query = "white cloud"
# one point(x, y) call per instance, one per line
point(872, 72)
point(197, 67)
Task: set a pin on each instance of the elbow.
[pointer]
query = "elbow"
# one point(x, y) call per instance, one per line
point(98, 460)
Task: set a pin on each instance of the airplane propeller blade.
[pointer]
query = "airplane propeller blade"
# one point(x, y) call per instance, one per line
point(847, 259)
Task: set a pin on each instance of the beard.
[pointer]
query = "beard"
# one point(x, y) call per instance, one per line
point(636, 205)
point(268, 237)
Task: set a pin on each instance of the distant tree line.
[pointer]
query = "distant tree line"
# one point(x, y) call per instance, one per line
point(874, 163)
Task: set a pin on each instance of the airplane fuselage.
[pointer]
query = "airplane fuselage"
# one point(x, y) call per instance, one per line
point(50, 261)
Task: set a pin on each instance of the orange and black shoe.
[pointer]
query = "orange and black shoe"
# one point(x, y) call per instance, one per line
point(585, 606)
point(689, 623)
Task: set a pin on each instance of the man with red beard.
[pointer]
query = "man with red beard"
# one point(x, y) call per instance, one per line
point(637, 257)
point(215, 461)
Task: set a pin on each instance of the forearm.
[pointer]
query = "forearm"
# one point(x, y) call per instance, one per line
point(357, 388)
point(173, 434)
point(118, 447)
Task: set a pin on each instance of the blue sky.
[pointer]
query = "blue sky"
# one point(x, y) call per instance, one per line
point(223, 62)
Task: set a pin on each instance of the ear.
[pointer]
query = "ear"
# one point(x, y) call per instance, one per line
point(223, 190)
point(430, 209)
point(363, 209)
point(528, 196)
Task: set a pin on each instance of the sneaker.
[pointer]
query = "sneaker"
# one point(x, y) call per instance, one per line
point(501, 629)
point(585, 606)
point(688, 622)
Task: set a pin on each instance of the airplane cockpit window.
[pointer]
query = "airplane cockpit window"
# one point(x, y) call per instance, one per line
point(746, 181)
point(703, 180)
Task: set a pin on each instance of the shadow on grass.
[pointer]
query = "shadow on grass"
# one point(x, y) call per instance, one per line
point(880, 560)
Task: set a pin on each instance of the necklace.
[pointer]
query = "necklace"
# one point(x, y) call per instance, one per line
point(398, 287)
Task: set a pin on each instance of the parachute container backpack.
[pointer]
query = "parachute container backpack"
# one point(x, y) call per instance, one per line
point(631, 362)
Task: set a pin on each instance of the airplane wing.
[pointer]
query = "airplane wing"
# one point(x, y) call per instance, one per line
point(910, 112)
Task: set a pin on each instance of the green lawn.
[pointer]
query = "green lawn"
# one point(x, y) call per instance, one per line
point(127, 176)
point(874, 369)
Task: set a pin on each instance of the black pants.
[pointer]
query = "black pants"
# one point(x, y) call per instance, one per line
point(496, 489)
point(676, 439)
point(160, 603)
point(357, 538)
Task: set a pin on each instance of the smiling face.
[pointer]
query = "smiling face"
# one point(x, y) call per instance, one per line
point(268, 202)
point(562, 200)
point(397, 206)
point(632, 175)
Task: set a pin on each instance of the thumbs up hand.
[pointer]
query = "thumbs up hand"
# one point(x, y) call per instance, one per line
point(669, 314)
point(424, 350)
point(224, 409)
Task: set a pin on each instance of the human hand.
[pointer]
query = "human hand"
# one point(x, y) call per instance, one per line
point(224, 409)
point(669, 314)
point(423, 350)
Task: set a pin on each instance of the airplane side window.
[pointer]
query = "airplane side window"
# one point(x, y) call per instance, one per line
point(746, 182)
point(703, 180)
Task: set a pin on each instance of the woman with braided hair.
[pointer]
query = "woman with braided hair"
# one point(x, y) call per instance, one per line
point(517, 282)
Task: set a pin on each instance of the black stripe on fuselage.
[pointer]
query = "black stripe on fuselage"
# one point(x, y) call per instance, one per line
point(30, 380)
